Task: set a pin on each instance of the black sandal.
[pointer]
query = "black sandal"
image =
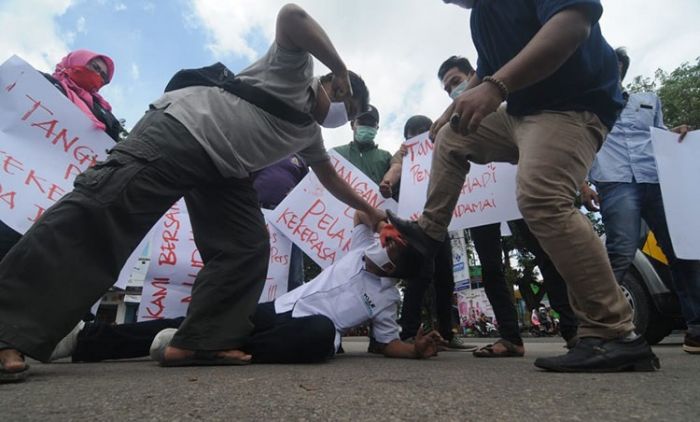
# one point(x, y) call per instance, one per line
point(510, 352)
point(14, 376)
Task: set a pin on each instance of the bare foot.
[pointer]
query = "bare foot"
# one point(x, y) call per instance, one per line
point(12, 360)
point(175, 354)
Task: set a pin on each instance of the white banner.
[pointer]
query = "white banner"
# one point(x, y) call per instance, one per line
point(488, 192)
point(679, 174)
point(319, 223)
point(175, 263)
point(45, 141)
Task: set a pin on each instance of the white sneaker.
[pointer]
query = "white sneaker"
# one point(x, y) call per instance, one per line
point(160, 342)
point(66, 347)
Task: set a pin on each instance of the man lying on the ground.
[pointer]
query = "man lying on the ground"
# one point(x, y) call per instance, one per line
point(301, 326)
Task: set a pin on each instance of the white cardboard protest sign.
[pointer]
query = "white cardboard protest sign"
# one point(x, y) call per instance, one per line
point(175, 263)
point(679, 175)
point(45, 141)
point(319, 223)
point(488, 192)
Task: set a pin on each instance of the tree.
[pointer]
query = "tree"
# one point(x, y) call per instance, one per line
point(679, 92)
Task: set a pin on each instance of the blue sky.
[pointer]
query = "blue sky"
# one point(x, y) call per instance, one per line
point(396, 45)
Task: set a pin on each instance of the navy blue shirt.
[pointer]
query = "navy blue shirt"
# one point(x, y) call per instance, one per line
point(587, 81)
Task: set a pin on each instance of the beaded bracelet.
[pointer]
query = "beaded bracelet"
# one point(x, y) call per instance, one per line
point(502, 88)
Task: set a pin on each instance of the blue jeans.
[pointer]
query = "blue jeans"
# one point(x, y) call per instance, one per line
point(623, 206)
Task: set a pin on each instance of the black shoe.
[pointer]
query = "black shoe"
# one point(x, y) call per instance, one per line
point(691, 344)
point(601, 355)
point(570, 336)
point(423, 243)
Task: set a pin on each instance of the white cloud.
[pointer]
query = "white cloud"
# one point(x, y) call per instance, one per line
point(397, 48)
point(148, 7)
point(135, 73)
point(80, 25)
point(397, 45)
point(119, 7)
point(30, 31)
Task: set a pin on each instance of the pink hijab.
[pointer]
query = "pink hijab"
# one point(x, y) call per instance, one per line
point(80, 97)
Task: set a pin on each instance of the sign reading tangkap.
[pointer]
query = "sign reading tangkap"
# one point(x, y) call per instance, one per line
point(487, 196)
point(319, 223)
point(175, 263)
point(45, 141)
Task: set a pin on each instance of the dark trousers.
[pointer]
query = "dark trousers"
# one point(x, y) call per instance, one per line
point(99, 341)
point(8, 238)
point(279, 338)
point(487, 242)
point(553, 283)
point(275, 339)
point(74, 253)
point(443, 281)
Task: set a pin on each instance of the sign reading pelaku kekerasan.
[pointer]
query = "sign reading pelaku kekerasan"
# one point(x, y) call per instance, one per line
point(319, 223)
point(45, 141)
point(487, 195)
point(175, 263)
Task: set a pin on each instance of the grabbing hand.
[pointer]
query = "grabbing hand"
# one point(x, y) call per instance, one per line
point(589, 198)
point(441, 121)
point(682, 130)
point(427, 344)
point(385, 188)
point(473, 105)
point(340, 86)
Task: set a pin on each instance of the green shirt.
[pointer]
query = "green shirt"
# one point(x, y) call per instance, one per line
point(371, 160)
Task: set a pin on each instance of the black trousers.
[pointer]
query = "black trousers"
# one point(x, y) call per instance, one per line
point(444, 283)
point(99, 341)
point(275, 339)
point(487, 242)
point(74, 252)
point(8, 238)
point(554, 284)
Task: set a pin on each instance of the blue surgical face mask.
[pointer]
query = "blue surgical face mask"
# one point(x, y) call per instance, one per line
point(456, 91)
point(365, 134)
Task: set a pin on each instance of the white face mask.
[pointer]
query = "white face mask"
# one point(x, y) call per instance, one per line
point(379, 256)
point(456, 91)
point(337, 116)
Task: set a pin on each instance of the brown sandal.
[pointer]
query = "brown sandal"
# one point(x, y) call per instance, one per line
point(510, 352)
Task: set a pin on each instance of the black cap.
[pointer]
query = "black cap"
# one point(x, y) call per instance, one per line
point(369, 117)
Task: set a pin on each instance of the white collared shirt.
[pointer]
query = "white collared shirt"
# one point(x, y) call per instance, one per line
point(348, 294)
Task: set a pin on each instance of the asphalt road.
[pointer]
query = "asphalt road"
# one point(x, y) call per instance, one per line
point(358, 387)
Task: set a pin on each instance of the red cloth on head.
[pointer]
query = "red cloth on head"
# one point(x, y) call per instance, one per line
point(390, 232)
point(79, 96)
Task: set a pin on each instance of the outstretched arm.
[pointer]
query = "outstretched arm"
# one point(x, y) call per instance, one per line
point(345, 193)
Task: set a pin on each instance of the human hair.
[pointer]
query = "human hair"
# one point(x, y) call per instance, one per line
point(459, 62)
point(416, 124)
point(624, 59)
point(360, 91)
point(408, 262)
